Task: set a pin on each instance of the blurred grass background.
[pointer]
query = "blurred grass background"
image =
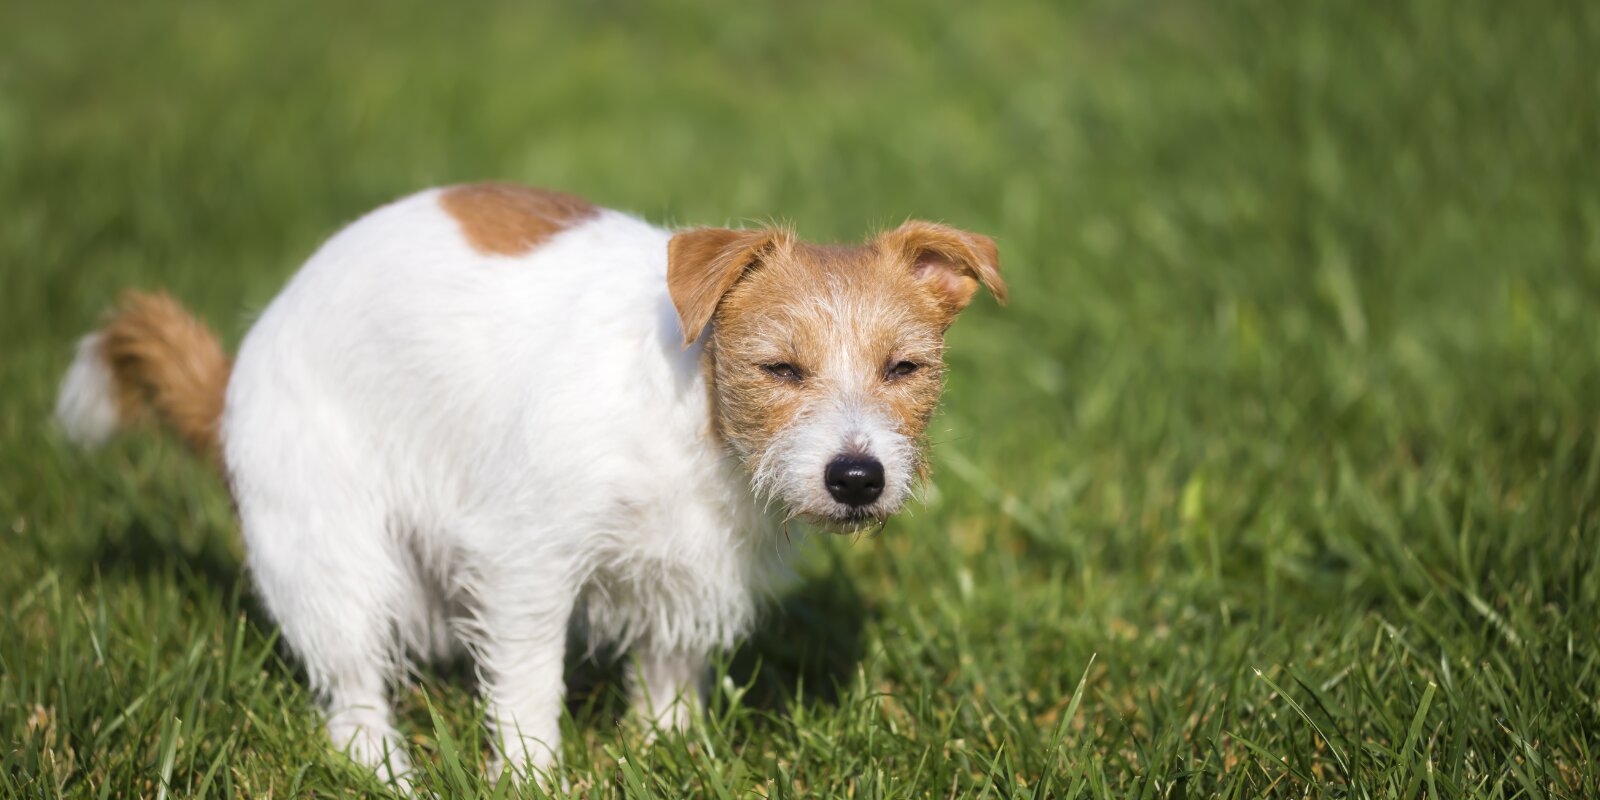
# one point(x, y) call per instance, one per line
point(1278, 477)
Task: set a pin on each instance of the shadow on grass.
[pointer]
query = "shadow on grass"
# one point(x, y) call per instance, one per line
point(138, 550)
point(805, 648)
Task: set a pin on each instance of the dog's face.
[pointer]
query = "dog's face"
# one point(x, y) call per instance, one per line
point(825, 363)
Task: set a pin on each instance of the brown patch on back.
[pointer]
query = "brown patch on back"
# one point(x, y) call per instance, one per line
point(508, 219)
point(164, 359)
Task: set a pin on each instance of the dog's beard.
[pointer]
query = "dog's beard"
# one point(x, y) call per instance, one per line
point(850, 523)
point(788, 473)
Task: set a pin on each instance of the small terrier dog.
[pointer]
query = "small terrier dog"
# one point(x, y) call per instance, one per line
point(484, 412)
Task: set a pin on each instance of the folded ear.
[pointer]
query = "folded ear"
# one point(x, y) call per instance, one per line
point(951, 262)
point(704, 263)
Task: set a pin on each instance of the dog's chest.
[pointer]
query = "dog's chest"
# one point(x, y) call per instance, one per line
point(688, 575)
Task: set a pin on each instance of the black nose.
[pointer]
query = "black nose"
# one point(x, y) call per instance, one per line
point(855, 480)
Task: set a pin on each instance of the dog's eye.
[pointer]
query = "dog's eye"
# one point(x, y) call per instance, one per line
point(901, 369)
point(783, 372)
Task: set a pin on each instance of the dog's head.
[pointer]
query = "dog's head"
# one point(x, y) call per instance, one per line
point(825, 363)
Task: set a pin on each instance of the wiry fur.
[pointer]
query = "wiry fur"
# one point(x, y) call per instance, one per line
point(436, 444)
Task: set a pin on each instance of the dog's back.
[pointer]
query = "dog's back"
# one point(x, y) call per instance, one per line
point(444, 366)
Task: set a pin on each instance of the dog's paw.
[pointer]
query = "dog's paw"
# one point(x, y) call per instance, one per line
point(381, 751)
point(543, 775)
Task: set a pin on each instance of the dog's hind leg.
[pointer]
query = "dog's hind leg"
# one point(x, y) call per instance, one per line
point(336, 583)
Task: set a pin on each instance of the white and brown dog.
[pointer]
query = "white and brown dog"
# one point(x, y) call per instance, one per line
point(483, 412)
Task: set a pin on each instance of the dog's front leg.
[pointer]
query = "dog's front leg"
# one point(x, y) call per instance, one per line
point(523, 652)
point(667, 686)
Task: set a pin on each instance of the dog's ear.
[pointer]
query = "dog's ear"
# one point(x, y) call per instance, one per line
point(704, 263)
point(952, 263)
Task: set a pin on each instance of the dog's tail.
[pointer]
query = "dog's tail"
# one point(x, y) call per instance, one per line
point(150, 356)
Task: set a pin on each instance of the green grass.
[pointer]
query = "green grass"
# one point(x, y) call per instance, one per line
point(1280, 475)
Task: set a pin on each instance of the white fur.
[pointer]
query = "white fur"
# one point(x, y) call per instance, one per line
point(86, 408)
point(846, 422)
point(431, 447)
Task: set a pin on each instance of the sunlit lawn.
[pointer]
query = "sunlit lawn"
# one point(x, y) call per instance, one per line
point(1280, 475)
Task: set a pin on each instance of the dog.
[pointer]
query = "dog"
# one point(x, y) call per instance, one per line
point(485, 412)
